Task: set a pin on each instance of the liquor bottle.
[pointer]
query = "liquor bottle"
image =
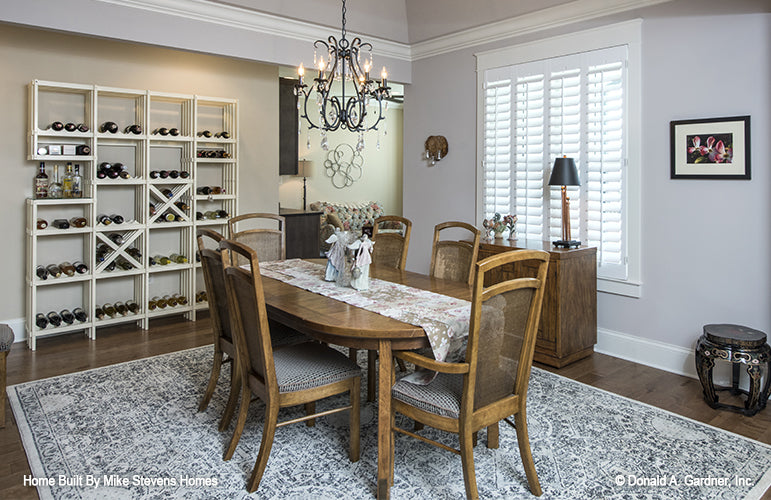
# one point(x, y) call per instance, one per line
point(53, 270)
point(170, 300)
point(80, 314)
point(109, 310)
point(41, 182)
point(55, 187)
point(184, 174)
point(117, 219)
point(205, 190)
point(61, 224)
point(123, 264)
point(67, 316)
point(178, 259)
point(133, 129)
point(67, 268)
point(180, 299)
point(41, 272)
point(77, 183)
point(116, 238)
point(41, 321)
point(82, 127)
point(110, 127)
point(67, 181)
point(161, 131)
point(42, 223)
point(223, 135)
point(204, 133)
point(54, 319)
point(174, 131)
point(78, 222)
point(168, 193)
point(99, 312)
point(132, 306)
point(162, 260)
point(121, 308)
point(80, 267)
point(56, 126)
point(104, 219)
point(173, 174)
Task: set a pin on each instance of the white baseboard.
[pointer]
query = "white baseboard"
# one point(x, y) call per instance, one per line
point(17, 325)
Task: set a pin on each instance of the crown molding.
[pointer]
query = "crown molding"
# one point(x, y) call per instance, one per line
point(553, 17)
point(237, 17)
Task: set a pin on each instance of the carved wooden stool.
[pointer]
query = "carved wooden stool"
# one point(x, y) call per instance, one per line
point(738, 345)
point(6, 340)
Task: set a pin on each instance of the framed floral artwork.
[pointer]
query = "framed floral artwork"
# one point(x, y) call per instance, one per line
point(710, 148)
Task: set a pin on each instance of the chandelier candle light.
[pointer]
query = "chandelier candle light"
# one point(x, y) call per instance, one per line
point(341, 63)
point(564, 173)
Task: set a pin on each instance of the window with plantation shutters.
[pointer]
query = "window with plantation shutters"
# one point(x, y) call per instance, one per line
point(537, 111)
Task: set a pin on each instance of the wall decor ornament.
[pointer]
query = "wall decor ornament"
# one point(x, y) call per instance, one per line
point(344, 165)
point(436, 148)
point(710, 148)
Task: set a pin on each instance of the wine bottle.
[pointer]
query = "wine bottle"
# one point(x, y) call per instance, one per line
point(101, 252)
point(182, 205)
point(80, 267)
point(116, 238)
point(180, 299)
point(121, 308)
point(104, 219)
point(42, 223)
point(134, 252)
point(99, 312)
point(160, 302)
point(70, 127)
point(55, 187)
point(41, 272)
point(41, 182)
point(67, 181)
point(210, 214)
point(151, 261)
point(222, 214)
point(174, 131)
point(61, 224)
point(199, 216)
point(178, 259)
point(82, 127)
point(170, 300)
point(80, 314)
point(132, 306)
point(173, 174)
point(162, 260)
point(223, 135)
point(154, 174)
point(56, 126)
point(168, 193)
point(163, 174)
point(101, 174)
point(77, 183)
point(110, 267)
point(109, 310)
point(184, 174)
point(201, 296)
point(152, 210)
point(67, 268)
point(67, 316)
point(117, 219)
point(217, 190)
point(110, 127)
point(205, 190)
point(83, 150)
point(170, 217)
point(112, 173)
point(123, 264)
point(133, 129)
point(41, 321)
point(78, 222)
point(53, 270)
point(204, 133)
point(161, 131)
point(152, 304)
point(54, 319)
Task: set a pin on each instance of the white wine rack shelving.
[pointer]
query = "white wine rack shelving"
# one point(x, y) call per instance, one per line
point(141, 154)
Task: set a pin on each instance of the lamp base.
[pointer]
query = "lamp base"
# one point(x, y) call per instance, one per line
point(567, 243)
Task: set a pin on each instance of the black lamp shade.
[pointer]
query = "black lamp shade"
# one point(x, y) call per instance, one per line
point(564, 173)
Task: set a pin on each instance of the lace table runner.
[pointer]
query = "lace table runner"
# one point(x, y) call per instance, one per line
point(445, 319)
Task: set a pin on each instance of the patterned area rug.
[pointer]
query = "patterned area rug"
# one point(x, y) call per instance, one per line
point(133, 431)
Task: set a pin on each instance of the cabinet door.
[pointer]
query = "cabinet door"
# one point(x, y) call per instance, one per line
point(288, 122)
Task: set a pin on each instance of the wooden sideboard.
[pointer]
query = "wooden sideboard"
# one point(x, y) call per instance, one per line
point(568, 328)
point(302, 233)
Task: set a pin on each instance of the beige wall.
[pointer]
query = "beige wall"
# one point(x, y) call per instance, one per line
point(381, 178)
point(27, 54)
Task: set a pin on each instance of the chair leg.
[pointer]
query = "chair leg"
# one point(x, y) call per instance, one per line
point(475, 439)
point(246, 396)
point(310, 409)
point(266, 443)
point(355, 420)
point(493, 439)
point(3, 397)
point(520, 421)
point(352, 354)
point(392, 458)
point(215, 375)
point(235, 390)
point(467, 459)
point(371, 375)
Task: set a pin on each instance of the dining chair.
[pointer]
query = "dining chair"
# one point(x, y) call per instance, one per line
point(391, 245)
point(268, 242)
point(295, 375)
point(454, 259)
point(492, 383)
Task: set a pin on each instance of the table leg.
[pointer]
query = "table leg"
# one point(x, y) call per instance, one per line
point(385, 439)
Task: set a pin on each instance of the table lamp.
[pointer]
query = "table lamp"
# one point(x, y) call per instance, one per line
point(564, 174)
point(304, 168)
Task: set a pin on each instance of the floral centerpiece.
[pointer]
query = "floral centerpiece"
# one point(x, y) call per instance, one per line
point(496, 225)
point(510, 221)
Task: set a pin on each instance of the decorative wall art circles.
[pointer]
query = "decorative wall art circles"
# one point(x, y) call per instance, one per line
point(344, 165)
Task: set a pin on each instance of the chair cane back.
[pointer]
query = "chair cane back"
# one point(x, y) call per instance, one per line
point(454, 260)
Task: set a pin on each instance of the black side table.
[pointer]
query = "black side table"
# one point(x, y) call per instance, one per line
point(738, 345)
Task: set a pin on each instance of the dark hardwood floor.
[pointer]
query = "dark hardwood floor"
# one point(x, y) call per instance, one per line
point(74, 352)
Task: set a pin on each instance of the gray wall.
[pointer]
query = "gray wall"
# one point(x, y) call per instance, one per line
point(704, 243)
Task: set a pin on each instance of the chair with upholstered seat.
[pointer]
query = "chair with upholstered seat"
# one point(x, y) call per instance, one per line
point(268, 242)
point(295, 375)
point(492, 383)
point(454, 259)
point(391, 245)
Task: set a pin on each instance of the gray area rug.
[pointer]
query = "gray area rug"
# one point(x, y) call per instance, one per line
point(134, 428)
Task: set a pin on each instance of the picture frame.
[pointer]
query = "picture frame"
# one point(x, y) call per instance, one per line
point(710, 148)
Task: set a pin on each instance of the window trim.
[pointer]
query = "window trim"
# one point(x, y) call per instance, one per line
point(628, 33)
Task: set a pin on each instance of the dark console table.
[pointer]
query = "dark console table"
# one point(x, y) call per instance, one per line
point(302, 233)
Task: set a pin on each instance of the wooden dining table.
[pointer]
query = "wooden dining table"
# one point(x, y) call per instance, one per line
point(339, 323)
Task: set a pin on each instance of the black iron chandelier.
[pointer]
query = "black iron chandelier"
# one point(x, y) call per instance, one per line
point(340, 61)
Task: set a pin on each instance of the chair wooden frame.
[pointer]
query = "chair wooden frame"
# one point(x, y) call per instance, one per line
point(403, 239)
point(266, 388)
point(439, 244)
point(470, 419)
point(235, 235)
